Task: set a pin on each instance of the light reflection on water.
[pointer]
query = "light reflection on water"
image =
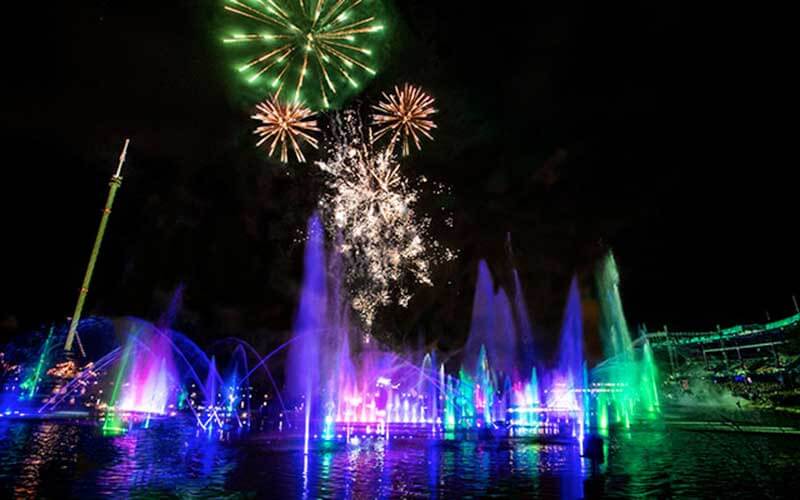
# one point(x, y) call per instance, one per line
point(173, 459)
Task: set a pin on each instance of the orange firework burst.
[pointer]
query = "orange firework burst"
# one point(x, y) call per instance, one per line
point(284, 124)
point(405, 114)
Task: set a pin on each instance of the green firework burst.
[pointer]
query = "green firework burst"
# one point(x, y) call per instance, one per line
point(320, 52)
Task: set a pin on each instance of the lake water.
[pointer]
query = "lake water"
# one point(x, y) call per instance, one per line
point(677, 459)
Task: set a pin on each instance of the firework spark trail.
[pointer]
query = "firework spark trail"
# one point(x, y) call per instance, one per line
point(406, 115)
point(285, 124)
point(317, 44)
point(385, 243)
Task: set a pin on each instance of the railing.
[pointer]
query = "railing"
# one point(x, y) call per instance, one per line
point(663, 337)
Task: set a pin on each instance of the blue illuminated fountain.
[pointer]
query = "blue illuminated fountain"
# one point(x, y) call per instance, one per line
point(348, 387)
point(147, 371)
point(311, 323)
point(340, 384)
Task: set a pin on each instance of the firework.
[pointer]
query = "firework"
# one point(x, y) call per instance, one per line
point(285, 124)
point(318, 50)
point(371, 208)
point(405, 115)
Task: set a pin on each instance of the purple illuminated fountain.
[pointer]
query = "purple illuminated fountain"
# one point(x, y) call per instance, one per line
point(569, 374)
point(343, 379)
point(147, 379)
point(340, 384)
point(153, 371)
point(348, 387)
point(302, 377)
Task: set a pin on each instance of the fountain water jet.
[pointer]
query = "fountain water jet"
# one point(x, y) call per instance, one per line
point(628, 374)
point(310, 321)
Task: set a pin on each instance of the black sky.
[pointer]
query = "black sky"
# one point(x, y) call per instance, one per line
point(661, 130)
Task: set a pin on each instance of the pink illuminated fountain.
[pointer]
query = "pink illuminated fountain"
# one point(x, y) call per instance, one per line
point(350, 387)
point(151, 383)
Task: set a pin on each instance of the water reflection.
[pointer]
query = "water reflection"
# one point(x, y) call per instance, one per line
point(50, 446)
point(434, 473)
point(572, 474)
point(60, 459)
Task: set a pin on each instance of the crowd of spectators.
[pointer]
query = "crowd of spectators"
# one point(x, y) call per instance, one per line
point(757, 385)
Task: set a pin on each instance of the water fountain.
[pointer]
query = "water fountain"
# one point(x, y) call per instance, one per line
point(627, 381)
point(340, 384)
point(144, 371)
point(348, 386)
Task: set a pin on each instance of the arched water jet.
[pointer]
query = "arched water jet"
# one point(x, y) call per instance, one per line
point(249, 372)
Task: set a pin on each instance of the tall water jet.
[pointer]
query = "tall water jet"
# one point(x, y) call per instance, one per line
point(503, 347)
point(112, 423)
point(649, 382)
point(571, 349)
point(499, 379)
point(210, 389)
point(302, 377)
point(526, 357)
point(493, 328)
point(483, 321)
point(423, 387)
point(31, 383)
point(484, 389)
point(532, 393)
point(449, 395)
point(618, 371)
point(337, 370)
point(631, 376)
point(616, 336)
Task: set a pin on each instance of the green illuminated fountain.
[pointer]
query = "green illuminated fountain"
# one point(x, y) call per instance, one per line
point(628, 378)
point(31, 383)
point(113, 425)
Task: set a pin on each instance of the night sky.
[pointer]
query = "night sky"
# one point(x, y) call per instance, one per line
point(661, 131)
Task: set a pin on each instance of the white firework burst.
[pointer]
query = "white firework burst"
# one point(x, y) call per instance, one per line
point(385, 243)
